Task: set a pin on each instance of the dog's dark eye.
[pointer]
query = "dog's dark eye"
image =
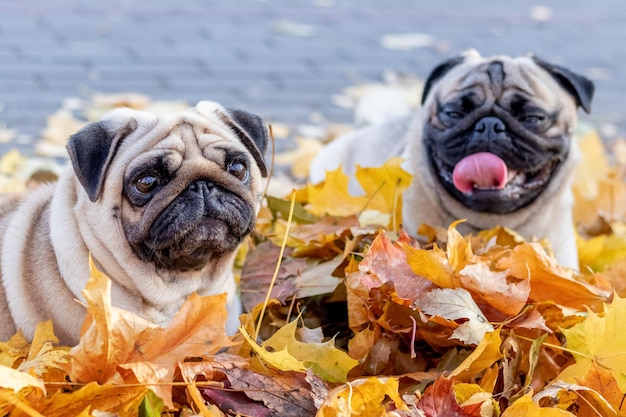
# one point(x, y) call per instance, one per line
point(239, 170)
point(146, 183)
point(532, 119)
point(454, 114)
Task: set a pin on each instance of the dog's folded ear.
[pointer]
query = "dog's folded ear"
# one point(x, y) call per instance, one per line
point(437, 73)
point(92, 149)
point(252, 131)
point(580, 87)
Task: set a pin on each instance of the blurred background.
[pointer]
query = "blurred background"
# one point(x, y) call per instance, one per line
point(300, 64)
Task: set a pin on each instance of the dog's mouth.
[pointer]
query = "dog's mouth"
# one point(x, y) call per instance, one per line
point(482, 181)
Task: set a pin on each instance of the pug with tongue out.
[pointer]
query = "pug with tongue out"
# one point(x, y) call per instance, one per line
point(493, 144)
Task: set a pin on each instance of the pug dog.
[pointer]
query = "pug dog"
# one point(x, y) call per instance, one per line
point(160, 203)
point(493, 143)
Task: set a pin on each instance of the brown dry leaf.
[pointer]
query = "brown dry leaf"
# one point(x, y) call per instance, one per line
point(603, 382)
point(549, 281)
point(495, 288)
point(440, 400)
point(259, 269)
point(386, 261)
point(285, 393)
point(583, 400)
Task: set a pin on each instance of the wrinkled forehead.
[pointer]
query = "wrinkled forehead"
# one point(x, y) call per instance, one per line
point(499, 76)
point(183, 132)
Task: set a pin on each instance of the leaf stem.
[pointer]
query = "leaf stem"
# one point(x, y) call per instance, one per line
point(278, 263)
point(557, 347)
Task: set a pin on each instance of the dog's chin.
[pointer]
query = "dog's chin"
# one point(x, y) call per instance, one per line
point(207, 241)
point(520, 189)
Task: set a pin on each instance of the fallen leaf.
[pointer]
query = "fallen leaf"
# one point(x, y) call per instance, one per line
point(124, 401)
point(486, 354)
point(364, 397)
point(113, 340)
point(324, 359)
point(494, 288)
point(386, 261)
point(278, 359)
point(384, 186)
point(584, 400)
point(599, 339)
point(457, 304)
point(603, 382)
point(286, 394)
point(439, 400)
point(525, 407)
point(332, 197)
point(17, 347)
point(15, 380)
point(548, 280)
point(432, 265)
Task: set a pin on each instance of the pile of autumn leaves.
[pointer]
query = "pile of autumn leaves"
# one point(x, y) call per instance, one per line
point(348, 315)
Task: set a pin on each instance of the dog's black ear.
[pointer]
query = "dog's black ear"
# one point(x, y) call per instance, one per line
point(439, 71)
point(252, 131)
point(91, 151)
point(581, 88)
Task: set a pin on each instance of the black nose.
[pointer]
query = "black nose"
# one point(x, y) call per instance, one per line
point(489, 125)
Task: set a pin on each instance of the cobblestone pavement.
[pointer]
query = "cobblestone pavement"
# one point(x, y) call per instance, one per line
point(284, 59)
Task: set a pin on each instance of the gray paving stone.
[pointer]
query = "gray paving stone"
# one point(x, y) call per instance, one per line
point(234, 52)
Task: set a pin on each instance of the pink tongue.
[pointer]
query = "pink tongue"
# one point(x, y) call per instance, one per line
point(481, 170)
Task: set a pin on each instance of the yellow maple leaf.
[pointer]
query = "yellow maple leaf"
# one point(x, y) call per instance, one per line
point(363, 397)
point(17, 347)
point(432, 265)
point(328, 362)
point(525, 407)
point(599, 339)
point(384, 186)
point(284, 352)
point(281, 360)
point(332, 197)
point(486, 354)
